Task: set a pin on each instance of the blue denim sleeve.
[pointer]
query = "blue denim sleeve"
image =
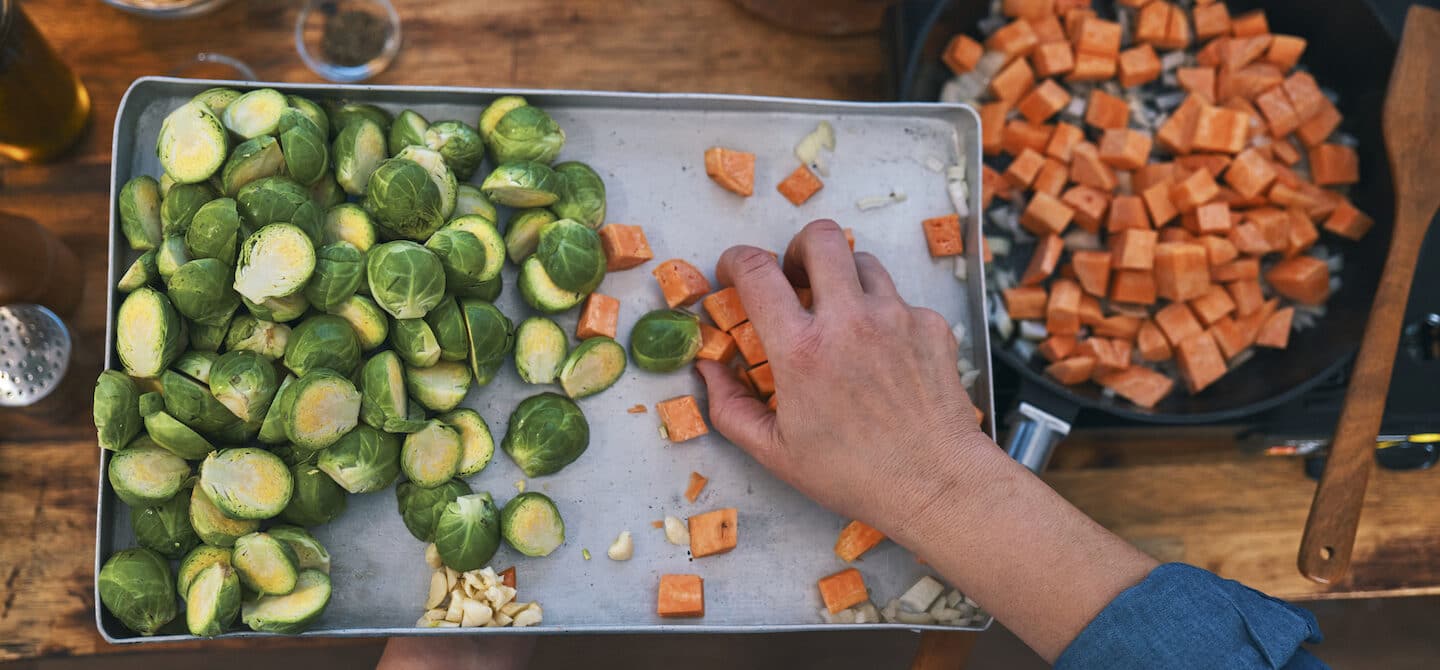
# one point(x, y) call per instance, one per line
point(1184, 617)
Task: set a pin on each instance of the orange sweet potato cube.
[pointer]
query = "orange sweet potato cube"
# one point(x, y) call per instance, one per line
point(1053, 59)
point(1198, 81)
point(1108, 354)
point(715, 345)
point(1043, 261)
point(1305, 95)
point(1231, 337)
point(1025, 302)
point(1092, 67)
point(1106, 111)
point(1138, 384)
point(1212, 163)
point(731, 169)
point(1347, 222)
point(1304, 279)
point(1062, 311)
point(1133, 249)
point(1279, 114)
point(1098, 36)
point(1019, 135)
point(625, 246)
point(1133, 287)
point(1250, 174)
point(962, 53)
point(1177, 133)
point(1086, 168)
point(1176, 234)
point(1024, 168)
point(1118, 327)
point(1062, 141)
point(1212, 20)
point(724, 308)
point(1209, 55)
point(599, 317)
point(1301, 233)
point(1285, 51)
point(681, 596)
point(1212, 305)
point(1218, 250)
point(1124, 149)
point(1177, 31)
point(1138, 65)
point(1058, 347)
point(1071, 371)
point(1274, 225)
point(1157, 203)
point(1150, 174)
point(1090, 310)
point(1212, 218)
point(681, 282)
point(1177, 322)
point(1250, 23)
point(992, 126)
point(1014, 39)
point(799, 186)
point(855, 539)
point(1151, 343)
point(1285, 151)
point(1319, 127)
point(1127, 212)
point(1238, 52)
point(942, 235)
point(714, 532)
point(763, 378)
point(1044, 101)
point(1220, 129)
point(1195, 190)
point(1235, 87)
point(1200, 361)
point(1047, 30)
point(1152, 21)
point(681, 419)
point(844, 589)
point(991, 182)
point(1089, 205)
point(1332, 164)
point(1238, 269)
point(1092, 270)
point(1052, 178)
point(748, 341)
point(1013, 80)
point(1246, 295)
point(1182, 270)
point(1046, 215)
point(1275, 332)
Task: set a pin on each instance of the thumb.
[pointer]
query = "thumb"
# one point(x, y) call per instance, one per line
point(739, 416)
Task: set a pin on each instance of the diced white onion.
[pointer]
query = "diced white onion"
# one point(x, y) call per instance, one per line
point(1336, 263)
point(1172, 60)
point(1033, 330)
point(873, 202)
point(952, 91)
point(934, 164)
point(999, 246)
point(967, 379)
point(961, 269)
point(955, 173)
point(990, 63)
point(1081, 240)
point(957, 192)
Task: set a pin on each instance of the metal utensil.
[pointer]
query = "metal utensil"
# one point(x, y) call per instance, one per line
point(34, 354)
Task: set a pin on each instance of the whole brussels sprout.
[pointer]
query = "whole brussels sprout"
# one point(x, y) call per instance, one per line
point(323, 341)
point(255, 113)
point(116, 410)
point(272, 429)
point(468, 532)
point(405, 201)
point(470, 201)
point(275, 262)
point(420, 508)
point(406, 279)
point(143, 272)
point(310, 554)
point(583, 196)
point(546, 433)
point(439, 387)
point(197, 560)
point(431, 455)
point(477, 446)
point(326, 192)
point(208, 338)
point(458, 144)
point(492, 336)
point(213, 526)
point(196, 365)
point(523, 184)
point(365, 460)
point(356, 152)
point(278, 200)
point(266, 338)
point(213, 601)
point(415, 342)
point(278, 310)
point(522, 236)
point(165, 528)
point(447, 324)
point(215, 231)
point(496, 110)
point(594, 366)
point(312, 111)
point(366, 319)
point(254, 159)
point(462, 256)
point(572, 256)
point(217, 99)
point(439, 173)
point(489, 237)
point(171, 255)
point(192, 144)
point(343, 114)
point(532, 525)
point(348, 222)
point(200, 291)
point(525, 134)
point(266, 565)
point(140, 212)
point(339, 272)
point(246, 482)
point(149, 335)
point(318, 500)
point(178, 207)
point(307, 151)
point(382, 398)
point(319, 409)
point(540, 348)
point(541, 292)
point(408, 129)
point(245, 383)
point(135, 586)
point(144, 474)
point(665, 340)
point(293, 612)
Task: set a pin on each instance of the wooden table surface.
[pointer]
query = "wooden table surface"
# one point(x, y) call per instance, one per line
point(1200, 502)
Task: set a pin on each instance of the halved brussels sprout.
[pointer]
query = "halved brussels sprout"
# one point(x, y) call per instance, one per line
point(214, 231)
point(364, 461)
point(170, 256)
point(255, 113)
point(311, 111)
point(489, 237)
point(525, 133)
point(134, 584)
point(292, 613)
point(200, 291)
point(439, 387)
point(207, 338)
point(246, 482)
point(406, 279)
point(477, 446)
point(217, 99)
point(463, 258)
point(532, 525)
point(149, 335)
point(254, 159)
point(468, 532)
point(356, 152)
point(198, 559)
point(213, 526)
point(318, 500)
point(523, 184)
point(320, 408)
point(572, 256)
point(275, 262)
point(492, 336)
point(594, 366)
point(415, 342)
point(339, 272)
point(382, 399)
point(405, 201)
point(309, 553)
point(169, 433)
point(448, 325)
point(245, 383)
point(213, 601)
point(192, 143)
point(272, 428)
point(420, 508)
point(307, 150)
point(196, 365)
point(144, 474)
point(266, 565)
point(348, 222)
point(458, 144)
point(541, 292)
point(583, 195)
point(546, 433)
point(191, 402)
point(278, 200)
point(408, 129)
point(266, 338)
point(665, 340)
point(143, 272)
point(496, 110)
point(178, 207)
point(326, 192)
point(323, 341)
point(342, 114)
point(540, 348)
point(439, 172)
point(116, 410)
point(469, 200)
point(140, 212)
point(366, 319)
point(431, 455)
point(165, 528)
point(522, 236)
point(490, 290)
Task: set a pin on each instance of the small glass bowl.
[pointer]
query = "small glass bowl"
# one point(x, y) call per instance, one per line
point(167, 9)
point(310, 29)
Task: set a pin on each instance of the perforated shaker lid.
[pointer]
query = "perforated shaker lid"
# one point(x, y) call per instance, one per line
point(34, 354)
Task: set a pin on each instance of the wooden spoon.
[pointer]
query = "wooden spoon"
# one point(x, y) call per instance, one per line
point(1412, 136)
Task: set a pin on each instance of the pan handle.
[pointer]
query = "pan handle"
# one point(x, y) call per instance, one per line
point(1034, 436)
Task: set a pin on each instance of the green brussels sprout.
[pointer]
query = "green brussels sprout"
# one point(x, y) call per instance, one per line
point(490, 290)
point(522, 236)
point(272, 428)
point(405, 201)
point(166, 183)
point(522, 184)
point(217, 99)
point(207, 338)
point(665, 340)
point(245, 383)
point(492, 336)
point(572, 256)
point(382, 399)
point(196, 365)
point(140, 212)
point(339, 271)
point(169, 433)
point(365, 460)
point(540, 348)
point(408, 129)
point(540, 291)
point(192, 144)
point(458, 144)
point(116, 410)
point(439, 387)
point(278, 310)
point(477, 446)
point(255, 113)
point(254, 159)
point(149, 335)
point(266, 338)
point(266, 565)
point(143, 272)
point(415, 342)
point(246, 482)
point(275, 262)
point(532, 525)
point(170, 256)
point(326, 192)
point(489, 237)
point(470, 201)
point(318, 500)
point(307, 150)
point(468, 532)
point(323, 341)
point(342, 114)
point(213, 601)
point(420, 508)
point(431, 455)
point(309, 553)
point(348, 222)
point(525, 134)
point(144, 474)
point(546, 433)
point(366, 319)
point(214, 231)
point(199, 558)
point(178, 207)
point(200, 291)
point(496, 110)
point(213, 526)
point(293, 612)
point(594, 366)
point(278, 200)
point(447, 324)
point(462, 256)
point(294, 456)
point(319, 408)
point(191, 403)
point(134, 584)
point(356, 152)
point(406, 279)
point(583, 196)
point(311, 111)
point(165, 528)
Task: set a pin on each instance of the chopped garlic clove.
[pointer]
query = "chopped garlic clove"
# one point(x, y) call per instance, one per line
point(924, 592)
point(502, 620)
point(445, 624)
point(914, 619)
point(622, 548)
point(456, 612)
point(676, 532)
point(512, 608)
point(438, 590)
point(488, 577)
point(451, 576)
point(476, 613)
point(845, 616)
point(432, 556)
point(529, 617)
point(437, 614)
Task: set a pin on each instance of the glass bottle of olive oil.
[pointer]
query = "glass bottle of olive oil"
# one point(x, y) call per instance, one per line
point(43, 105)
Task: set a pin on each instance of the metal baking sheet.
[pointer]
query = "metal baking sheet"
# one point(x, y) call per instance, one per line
point(648, 148)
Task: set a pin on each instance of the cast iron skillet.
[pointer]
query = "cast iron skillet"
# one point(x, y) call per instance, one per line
point(1349, 51)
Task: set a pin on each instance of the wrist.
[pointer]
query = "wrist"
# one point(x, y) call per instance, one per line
point(947, 480)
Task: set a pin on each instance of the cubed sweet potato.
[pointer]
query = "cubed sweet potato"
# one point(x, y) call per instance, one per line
point(1196, 189)
point(1098, 36)
point(1285, 51)
point(1063, 140)
point(1319, 127)
point(1027, 9)
point(962, 53)
point(799, 186)
point(1127, 212)
point(991, 182)
point(1177, 133)
point(1177, 31)
point(680, 418)
point(992, 126)
point(1348, 222)
point(1025, 302)
point(943, 236)
point(1182, 270)
point(1151, 343)
point(1285, 152)
point(1218, 250)
point(1108, 354)
point(1014, 39)
point(1274, 225)
point(1176, 234)
point(1275, 332)
point(724, 308)
point(748, 341)
point(1212, 305)
point(1058, 347)
point(1157, 203)
point(731, 169)
point(1238, 269)
point(1089, 205)
point(625, 246)
point(1138, 65)
point(1220, 129)
point(845, 589)
point(1304, 279)
point(1106, 111)
point(714, 532)
point(1250, 23)
point(1305, 95)
point(715, 345)
point(1044, 260)
point(1019, 135)
point(1279, 113)
point(1332, 164)
point(1133, 249)
point(1044, 101)
point(1152, 21)
point(1046, 215)
point(1013, 80)
point(1212, 20)
point(1250, 174)
point(1211, 218)
point(1092, 67)
point(1052, 178)
point(1198, 81)
point(681, 282)
point(1086, 168)
point(1062, 311)
point(1138, 384)
point(1047, 29)
point(1092, 269)
point(1249, 239)
point(1053, 59)
point(1246, 295)
point(855, 539)
point(1200, 361)
point(1118, 327)
point(1135, 287)
point(1301, 232)
point(1238, 52)
point(681, 596)
point(1090, 313)
point(1231, 337)
point(1125, 149)
point(1024, 168)
point(763, 378)
point(1177, 322)
point(1073, 370)
point(599, 318)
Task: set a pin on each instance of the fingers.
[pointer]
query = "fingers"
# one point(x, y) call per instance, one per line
point(874, 278)
point(769, 299)
point(739, 416)
point(820, 256)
